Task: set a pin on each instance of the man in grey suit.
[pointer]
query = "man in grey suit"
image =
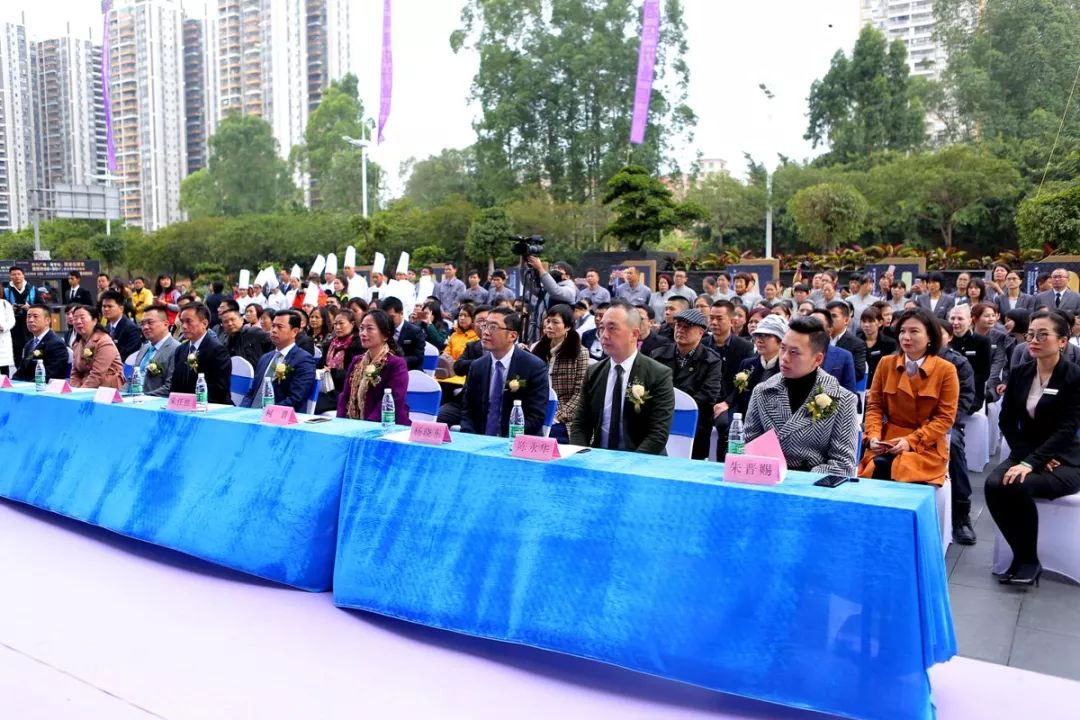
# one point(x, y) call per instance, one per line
point(814, 418)
point(936, 300)
point(1059, 296)
point(158, 354)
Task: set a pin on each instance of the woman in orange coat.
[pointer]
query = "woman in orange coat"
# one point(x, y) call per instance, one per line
point(911, 406)
point(97, 361)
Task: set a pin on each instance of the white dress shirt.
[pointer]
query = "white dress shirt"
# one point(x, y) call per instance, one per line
point(605, 420)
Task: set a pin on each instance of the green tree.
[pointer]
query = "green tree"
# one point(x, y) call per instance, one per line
point(109, 248)
point(866, 104)
point(437, 177)
point(447, 225)
point(950, 188)
point(244, 173)
point(1051, 219)
point(200, 196)
point(829, 214)
point(330, 162)
point(730, 205)
point(644, 208)
point(556, 87)
point(487, 243)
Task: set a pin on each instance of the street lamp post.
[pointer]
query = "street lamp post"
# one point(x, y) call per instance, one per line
point(768, 178)
point(108, 178)
point(361, 143)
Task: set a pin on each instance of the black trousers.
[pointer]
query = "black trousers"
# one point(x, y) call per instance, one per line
point(1013, 506)
point(958, 475)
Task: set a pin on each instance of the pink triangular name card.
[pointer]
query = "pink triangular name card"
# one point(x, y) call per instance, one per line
point(5, 381)
point(279, 415)
point(429, 433)
point(58, 387)
point(107, 396)
point(181, 402)
point(762, 462)
point(532, 447)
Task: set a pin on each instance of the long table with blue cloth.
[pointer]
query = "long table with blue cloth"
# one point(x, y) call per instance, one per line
point(218, 485)
point(832, 599)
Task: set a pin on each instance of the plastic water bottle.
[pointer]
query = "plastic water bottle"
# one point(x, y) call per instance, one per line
point(267, 392)
point(135, 387)
point(517, 422)
point(201, 394)
point(736, 437)
point(389, 412)
point(40, 379)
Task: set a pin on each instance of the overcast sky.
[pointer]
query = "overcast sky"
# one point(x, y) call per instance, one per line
point(734, 46)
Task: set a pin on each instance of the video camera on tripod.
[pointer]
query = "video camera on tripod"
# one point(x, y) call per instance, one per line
point(531, 290)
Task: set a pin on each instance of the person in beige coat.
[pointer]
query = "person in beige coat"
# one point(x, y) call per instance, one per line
point(97, 362)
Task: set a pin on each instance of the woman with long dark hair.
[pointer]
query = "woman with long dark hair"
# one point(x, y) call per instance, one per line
point(1040, 416)
point(430, 319)
point(319, 325)
point(911, 406)
point(567, 359)
point(381, 367)
point(338, 353)
point(97, 362)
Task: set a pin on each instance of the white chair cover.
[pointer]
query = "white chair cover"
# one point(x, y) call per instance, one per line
point(241, 370)
point(993, 412)
point(977, 441)
point(424, 395)
point(681, 444)
point(1059, 538)
point(552, 408)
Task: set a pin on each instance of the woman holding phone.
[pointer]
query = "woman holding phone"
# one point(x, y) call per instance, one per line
point(911, 406)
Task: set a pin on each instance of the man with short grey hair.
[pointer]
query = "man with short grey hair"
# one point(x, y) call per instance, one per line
point(1059, 296)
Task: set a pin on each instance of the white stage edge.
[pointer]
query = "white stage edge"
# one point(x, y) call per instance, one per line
point(93, 625)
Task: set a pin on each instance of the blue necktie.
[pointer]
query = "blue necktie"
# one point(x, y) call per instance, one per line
point(494, 419)
point(146, 359)
point(33, 346)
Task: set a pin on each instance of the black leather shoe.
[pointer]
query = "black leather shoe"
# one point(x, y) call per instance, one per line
point(964, 534)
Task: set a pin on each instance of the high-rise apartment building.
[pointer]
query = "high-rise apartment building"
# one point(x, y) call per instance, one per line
point(274, 59)
point(17, 135)
point(69, 112)
point(147, 100)
point(912, 22)
point(196, 93)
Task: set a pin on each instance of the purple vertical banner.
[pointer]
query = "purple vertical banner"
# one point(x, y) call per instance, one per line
point(387, 70)
point(106, 6)
point(650, 37)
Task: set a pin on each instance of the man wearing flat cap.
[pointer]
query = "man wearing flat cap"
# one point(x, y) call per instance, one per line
point(695, 370)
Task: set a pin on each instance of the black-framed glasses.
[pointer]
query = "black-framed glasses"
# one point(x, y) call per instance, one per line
point(1040, 336)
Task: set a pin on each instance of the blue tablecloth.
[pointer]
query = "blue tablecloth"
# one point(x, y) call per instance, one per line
point(830, 599)
point(220, 486)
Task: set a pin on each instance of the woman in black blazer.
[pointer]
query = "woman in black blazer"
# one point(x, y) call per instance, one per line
point(1040, 415)
point(878, 344)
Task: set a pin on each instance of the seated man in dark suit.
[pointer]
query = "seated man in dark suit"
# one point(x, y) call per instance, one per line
point(504, 374)
point(42, 344)
point(840, 337)
point(246, 341)
point(124, 332)
point(696, 370)
point(201, 353)
point(409, 337)
point(838, 362)
point(450, 410)
point(291, 369)
point(628, 399)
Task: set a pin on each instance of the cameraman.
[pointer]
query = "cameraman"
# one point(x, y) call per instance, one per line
point(558, 284)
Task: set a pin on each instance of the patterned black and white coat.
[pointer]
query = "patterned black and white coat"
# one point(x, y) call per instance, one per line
point(819, 446)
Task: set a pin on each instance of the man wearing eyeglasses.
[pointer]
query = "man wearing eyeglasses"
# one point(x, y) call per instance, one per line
point(504, 374)
point(156, 358)
point(1059, 296)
